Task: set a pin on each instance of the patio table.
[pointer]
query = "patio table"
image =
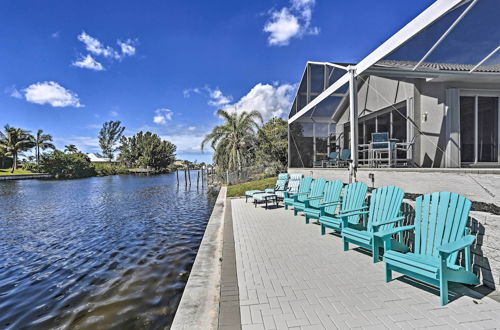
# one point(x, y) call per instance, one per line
point(266, 197)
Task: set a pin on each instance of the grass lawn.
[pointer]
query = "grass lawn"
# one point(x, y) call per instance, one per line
point(239, 189)
point(6, 171)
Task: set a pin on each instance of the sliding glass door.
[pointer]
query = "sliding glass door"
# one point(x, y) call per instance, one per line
point(479, 126)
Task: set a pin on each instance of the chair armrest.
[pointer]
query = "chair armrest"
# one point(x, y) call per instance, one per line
point(462, 243)
point(392, 231)
point(325, 204)
point(387, 222)
point(353, 210)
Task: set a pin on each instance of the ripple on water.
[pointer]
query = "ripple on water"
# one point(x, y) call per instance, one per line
point(97, 253)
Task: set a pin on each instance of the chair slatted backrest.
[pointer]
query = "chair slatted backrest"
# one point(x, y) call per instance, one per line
point(331, 191)
point(317, 187)
point(305, 187)
point(380, 140)
point(333, 155)
point(440, 218)
point(294, 182)
point(345, 154)
point(385, 204)
point(353, 199)
point(282, 182)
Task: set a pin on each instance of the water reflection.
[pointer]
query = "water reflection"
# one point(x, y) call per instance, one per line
point(98, 253)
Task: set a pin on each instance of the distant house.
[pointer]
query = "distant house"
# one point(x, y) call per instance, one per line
point(179, 162)
point(96, 158)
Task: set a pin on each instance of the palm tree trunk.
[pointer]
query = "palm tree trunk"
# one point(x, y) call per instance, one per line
point(37, 154)
point(14, 161)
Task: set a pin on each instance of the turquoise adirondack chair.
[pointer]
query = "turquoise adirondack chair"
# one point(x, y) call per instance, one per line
point(440, 233)
point(304, 187)
point(292, 187)
point(331, 196)
point(316, 192)
point(352, 199)
point(383, 213)
point(280, 185)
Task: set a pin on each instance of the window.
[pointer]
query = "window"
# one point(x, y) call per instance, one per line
point(479, 126)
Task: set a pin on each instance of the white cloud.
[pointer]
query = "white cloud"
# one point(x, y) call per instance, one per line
point(13, 92)
point(217, 98)
point(162, 116)
point(290, 22)
point(114, 113)
point(192, 128)
point(50, 92)
point(88, 62)
point(188, 91)
point(55, 35)
point(96, 47)
point(270, 100)
point(127, 47)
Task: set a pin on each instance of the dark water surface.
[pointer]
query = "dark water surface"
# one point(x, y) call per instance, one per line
point(98, 253)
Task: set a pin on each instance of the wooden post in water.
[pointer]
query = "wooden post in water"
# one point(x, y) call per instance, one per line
point(177, 175)
point(185, 177)
point(197, 179)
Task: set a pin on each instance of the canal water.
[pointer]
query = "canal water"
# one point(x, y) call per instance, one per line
point(99, 253)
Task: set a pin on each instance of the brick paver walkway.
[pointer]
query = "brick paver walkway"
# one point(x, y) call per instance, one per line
point(289, 276)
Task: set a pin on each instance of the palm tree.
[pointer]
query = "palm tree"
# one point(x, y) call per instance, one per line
point(234, 140)
point(42, 141)
point(14, 141)
point(71, 148)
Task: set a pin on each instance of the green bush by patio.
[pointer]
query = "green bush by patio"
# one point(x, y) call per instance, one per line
point(239, 189)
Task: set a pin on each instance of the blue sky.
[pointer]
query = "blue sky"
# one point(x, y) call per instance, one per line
point(167, 66)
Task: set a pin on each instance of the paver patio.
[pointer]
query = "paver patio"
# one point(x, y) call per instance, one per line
point(291, 277)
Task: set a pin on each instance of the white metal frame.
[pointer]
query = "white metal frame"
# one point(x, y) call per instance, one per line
point(476, 93)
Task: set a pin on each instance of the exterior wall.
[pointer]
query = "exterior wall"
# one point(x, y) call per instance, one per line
point(476, 184)
point(436, 113)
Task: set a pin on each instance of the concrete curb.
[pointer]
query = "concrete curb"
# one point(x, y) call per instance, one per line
point(25, 177)
point(199, 306)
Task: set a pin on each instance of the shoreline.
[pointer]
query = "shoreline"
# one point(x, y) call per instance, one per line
point(199, 305)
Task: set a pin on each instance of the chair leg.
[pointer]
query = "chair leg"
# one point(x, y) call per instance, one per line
point(286, 206)
point(443, 291)
point(443, 283)
point(323, 229)
point(375, 253)
point(388, 273)
point(295, 211)
point(346, 244)
point(307, 219)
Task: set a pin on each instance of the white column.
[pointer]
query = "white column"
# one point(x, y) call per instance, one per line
point(353, 119)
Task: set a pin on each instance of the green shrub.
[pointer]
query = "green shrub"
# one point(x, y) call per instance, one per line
point(103, 169)
point(71, 165)
point(32, 167)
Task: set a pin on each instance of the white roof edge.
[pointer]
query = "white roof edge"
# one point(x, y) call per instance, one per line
point(425, 18)
point(327, 92)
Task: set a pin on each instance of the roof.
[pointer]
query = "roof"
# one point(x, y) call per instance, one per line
point(96, 158)
point(427, 66)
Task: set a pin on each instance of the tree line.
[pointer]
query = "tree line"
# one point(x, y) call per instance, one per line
point(144, 149)
point(244, 140)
